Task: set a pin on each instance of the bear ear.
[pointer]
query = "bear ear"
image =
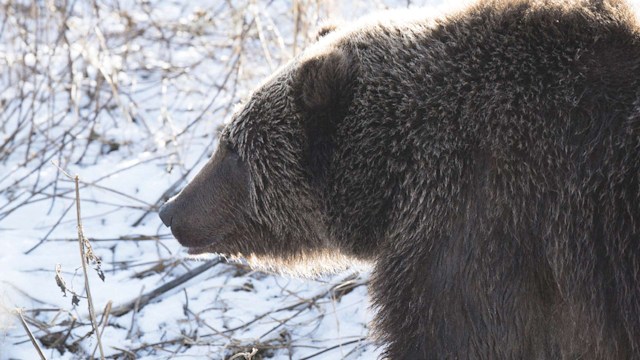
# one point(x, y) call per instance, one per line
point(325, 28)
point(323, 82)
point(324, 89)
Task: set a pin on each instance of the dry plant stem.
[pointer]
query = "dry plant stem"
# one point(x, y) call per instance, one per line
point(333, 347)
point(136, 307)
point(31, 337)
point(147, 298)
point(81, 238)
point(104, 321)
point(246, 355)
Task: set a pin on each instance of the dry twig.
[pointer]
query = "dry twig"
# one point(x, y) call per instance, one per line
point(31, 337)
point(246, 355)
point(86, 255)
point(83, 258)
point(145, 299)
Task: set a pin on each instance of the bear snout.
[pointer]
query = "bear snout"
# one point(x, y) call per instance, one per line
point(166, 213)
point(185, 232)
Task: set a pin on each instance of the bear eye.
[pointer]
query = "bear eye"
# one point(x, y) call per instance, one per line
point(229, 149)
point(225, 144)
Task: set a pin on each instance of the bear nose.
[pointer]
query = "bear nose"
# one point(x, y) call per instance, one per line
point(166, 213)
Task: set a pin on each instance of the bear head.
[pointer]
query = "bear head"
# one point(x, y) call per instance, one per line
point(263, 194)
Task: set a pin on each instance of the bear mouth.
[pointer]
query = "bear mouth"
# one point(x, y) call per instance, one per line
point(196, 244)
point(200, 250)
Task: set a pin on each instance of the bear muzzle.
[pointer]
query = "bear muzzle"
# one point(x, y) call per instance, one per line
point(187, 234)
point(212, 208)
point(166, 213)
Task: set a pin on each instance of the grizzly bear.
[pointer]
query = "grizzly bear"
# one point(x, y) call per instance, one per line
point(486, 163)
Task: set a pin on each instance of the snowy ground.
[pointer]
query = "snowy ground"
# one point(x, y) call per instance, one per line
point(130, 95)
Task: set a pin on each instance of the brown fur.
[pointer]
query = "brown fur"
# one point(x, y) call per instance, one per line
point(487, 163)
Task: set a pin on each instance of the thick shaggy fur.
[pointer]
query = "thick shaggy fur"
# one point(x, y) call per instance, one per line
point(487, 163)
